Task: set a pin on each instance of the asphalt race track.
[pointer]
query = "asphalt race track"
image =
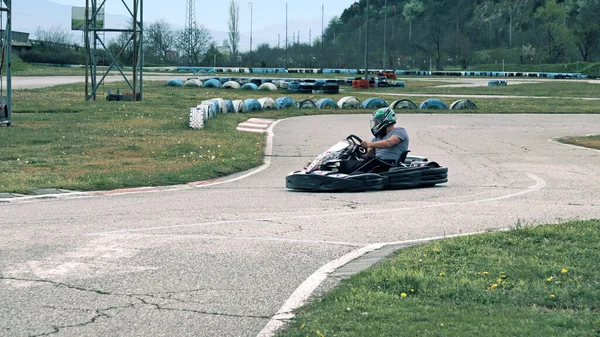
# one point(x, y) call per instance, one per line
point(221, 259)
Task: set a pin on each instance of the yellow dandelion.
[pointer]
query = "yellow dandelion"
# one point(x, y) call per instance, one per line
point(302, 326)
point(442, 274)
point(320, 334)
point(564, 271)
point(552, 296)
point(549, 279)
point(436, 250)
point(485, 273)
point(403, 295)
point(499, 280)
point(412, 290)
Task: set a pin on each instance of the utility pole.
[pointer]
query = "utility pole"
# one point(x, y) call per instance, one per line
point(286, 35)
point(384, 32)
point(367, 42)
point(250, 5)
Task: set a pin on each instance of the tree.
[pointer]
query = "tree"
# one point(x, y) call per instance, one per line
point(556, 33)
point(54, 35)
point(160, 38)
point(234, 29)
point(411, 11)
point(193, 42)
point(586, 29)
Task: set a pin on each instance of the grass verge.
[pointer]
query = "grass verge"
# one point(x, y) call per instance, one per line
point(61, 141)
point(586, 141)
point(530, 281)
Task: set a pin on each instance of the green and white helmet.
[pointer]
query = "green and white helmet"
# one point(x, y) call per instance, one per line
point(381, 119)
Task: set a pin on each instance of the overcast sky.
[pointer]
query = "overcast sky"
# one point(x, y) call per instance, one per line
point(214, 14)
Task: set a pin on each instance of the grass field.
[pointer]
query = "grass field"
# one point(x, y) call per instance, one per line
point(530, 281)
point(61, 141)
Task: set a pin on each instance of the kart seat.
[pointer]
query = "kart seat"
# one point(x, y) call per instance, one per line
point(378, 165)
point(402, 158)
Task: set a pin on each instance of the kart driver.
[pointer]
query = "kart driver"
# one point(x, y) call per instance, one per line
point(389, 141)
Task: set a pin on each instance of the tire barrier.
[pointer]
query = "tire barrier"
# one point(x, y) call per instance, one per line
point(306, 104)
point(285, 102)
point(496, 83)
point(318, 88)
point(224, 80)
point(252, 105)
point(212, 83)
point(433, 103)
point(268, 87)
point(403, 104)
point(175, 82)
point(231, 85)
point(293, 87)
point(238, 106)
point(399, 84)
point(249, 86)
point(326, 103)
point(221, 104)
point(306, 87)
point(361, 84)
point(230, 108)
point(267, 103)
point(463, 104)
point(193, 82)
point(374, 103)
point(349, 102)
point(212, 106)
point(331, 88)
point(257, 81)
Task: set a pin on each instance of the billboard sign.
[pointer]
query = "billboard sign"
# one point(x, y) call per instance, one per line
point(78, 18)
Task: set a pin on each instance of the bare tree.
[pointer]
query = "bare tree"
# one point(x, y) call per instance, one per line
point(234, 29)
point(193, 42)
point(55, 35)
point(160, 38)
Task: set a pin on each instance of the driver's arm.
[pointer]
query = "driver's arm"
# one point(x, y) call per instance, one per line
point(381, 144)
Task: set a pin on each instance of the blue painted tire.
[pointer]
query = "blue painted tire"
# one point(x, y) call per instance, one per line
point(493, 83)
point(229, 105)
point(326, 103)
point(249, 86)
point(374, 103)
point(463, 104)
point(403, 104)
point(175, 82)
point(432, 104)
point(285, 102)
point(306, 104)
point(294, 87)
point(252, 104)
point(212, 83)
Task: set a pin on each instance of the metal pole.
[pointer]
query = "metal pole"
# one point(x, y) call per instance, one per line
point(286, 35)
point(135, 51)
point(322, 27)
point(8, 60)
point(86, 39)
point(250, 4)
point(384, 32)
point(367, 42)
point(141, 61)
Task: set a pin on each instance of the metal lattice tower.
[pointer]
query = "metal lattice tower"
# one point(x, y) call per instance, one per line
point(190, 24)
point(94, 43)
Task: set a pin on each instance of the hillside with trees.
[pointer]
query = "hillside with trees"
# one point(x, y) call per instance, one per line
point(402, 34)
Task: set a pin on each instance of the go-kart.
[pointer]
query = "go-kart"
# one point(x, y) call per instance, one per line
point(343, 167)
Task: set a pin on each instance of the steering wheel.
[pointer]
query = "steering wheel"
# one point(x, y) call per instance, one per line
point(356, 141)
